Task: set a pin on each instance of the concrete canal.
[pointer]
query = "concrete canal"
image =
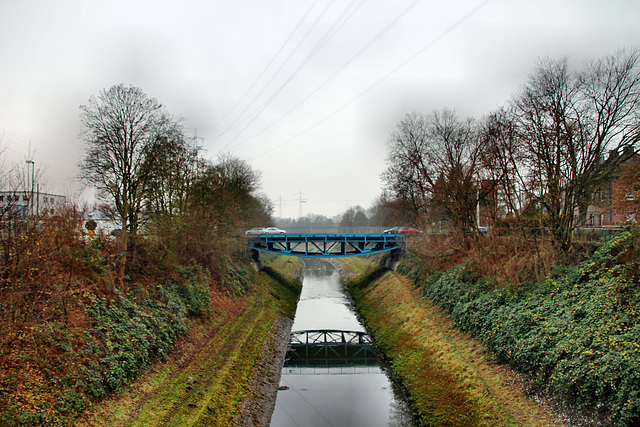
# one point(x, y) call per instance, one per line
point(333, 376)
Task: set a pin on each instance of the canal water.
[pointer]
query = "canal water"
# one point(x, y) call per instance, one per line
point(332, 376)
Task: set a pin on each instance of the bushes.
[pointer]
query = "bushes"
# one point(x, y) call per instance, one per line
point(193, 288)
point(89, 340)
point(127, 334)
point(132, 329)
point(576, 333)
point(236, 278)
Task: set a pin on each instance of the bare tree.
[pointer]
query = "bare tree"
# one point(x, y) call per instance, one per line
point(456, 156)
point(239, 183)
point(120, 126)
point(388, 211)
point(226, 192)
point(502, 164)
point(355, 216)
point(172, 166)
point(434, 164)
point(575, 128)
point(5, 173)
point(408, 176)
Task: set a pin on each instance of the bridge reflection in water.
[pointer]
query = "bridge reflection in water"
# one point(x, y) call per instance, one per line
point(330, 351)
point(323, 389)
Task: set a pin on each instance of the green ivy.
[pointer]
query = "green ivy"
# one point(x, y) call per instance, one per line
point(237, 278)
point(127, 334)
point(193, 288)
point(576, 333)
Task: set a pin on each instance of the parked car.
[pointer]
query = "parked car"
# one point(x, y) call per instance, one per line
point(402, 230)
point(257, 230)
point(407, 230)
point(274, 230)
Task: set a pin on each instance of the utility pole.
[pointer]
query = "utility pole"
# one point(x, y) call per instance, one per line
point(300, 202)
point(30, 161)
point(33, 174)
point(196, 149)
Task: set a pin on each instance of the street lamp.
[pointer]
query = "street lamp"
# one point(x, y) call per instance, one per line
point(33, 174)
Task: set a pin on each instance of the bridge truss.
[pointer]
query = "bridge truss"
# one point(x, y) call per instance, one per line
point(326, 245)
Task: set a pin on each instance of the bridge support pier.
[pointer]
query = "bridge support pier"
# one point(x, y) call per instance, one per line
point(257, 262)
point(393, 260)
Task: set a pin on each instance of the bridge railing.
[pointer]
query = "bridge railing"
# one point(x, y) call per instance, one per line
point(329, 336)
point(336, 230)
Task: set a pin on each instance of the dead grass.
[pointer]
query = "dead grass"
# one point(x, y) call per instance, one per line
point(511, 258)
point(450, 377)
point(504, 258)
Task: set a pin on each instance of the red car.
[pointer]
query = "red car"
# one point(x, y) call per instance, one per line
point(402, 230)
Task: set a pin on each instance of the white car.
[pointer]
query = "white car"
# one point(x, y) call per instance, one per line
point(257, 230)
point(273, 230)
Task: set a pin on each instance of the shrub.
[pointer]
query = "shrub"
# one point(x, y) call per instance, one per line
point(236, 278)
point(126, 335)
point(576, 333)
point(193, 288)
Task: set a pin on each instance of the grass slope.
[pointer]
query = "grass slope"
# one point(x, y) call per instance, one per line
point(574, 333)
point(447, 374)
point(205, 377)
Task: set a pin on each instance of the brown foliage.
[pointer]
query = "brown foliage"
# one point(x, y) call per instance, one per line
point(512, 258)
point(48, 269)
point(505, 257)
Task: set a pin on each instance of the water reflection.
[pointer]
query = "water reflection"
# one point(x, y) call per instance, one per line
point(323, 303)
point(332, 376)
point(330, 348)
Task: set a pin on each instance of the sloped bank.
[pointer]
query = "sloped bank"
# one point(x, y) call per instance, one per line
point(447, 374)
point(223, 372)
point(575, 334)
point(257, 406)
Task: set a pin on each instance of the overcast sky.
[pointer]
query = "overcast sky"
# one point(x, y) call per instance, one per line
point(306, 91)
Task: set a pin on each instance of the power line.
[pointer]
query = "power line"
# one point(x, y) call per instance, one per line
point(11, 139)
point(380, 80)
point(295, 49)
point(269, 64)
point(369, 44)
point(337, 25)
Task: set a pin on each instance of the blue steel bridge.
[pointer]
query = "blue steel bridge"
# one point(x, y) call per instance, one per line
point(326, 245)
